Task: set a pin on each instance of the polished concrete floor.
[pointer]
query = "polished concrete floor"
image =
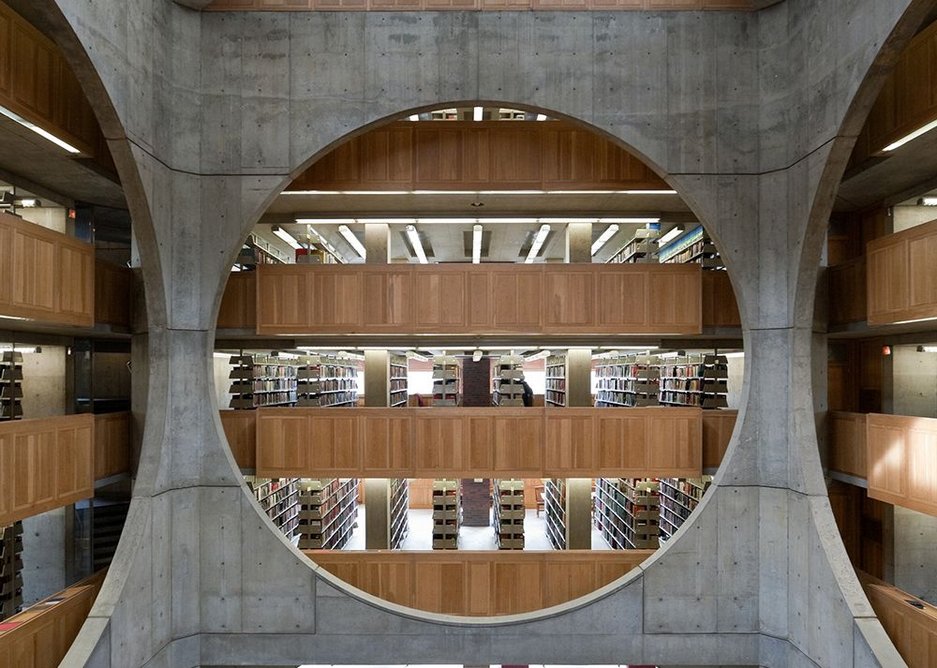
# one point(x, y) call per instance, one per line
point(420, 536)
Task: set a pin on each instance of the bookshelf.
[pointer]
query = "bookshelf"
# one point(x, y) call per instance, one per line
point(447, 514)
point(641, 248)
point(11, 569)
point(509, 514)
point(261, 381)
point(554, 507)
point(279, 499)
point(678, 498)
point(327, 512)
point(695, 380)
point(556, 381)
point(398, 381)
point(508, 377)
point(399, 511)
point(627, 511)
point(627, 380)
point(327, 381)
point(692, 247)
point(447, 376)
point(11, 389)
point(108, 517)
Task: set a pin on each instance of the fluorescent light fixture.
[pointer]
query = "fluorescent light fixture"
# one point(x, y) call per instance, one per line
point(523, 221)
point(538, 243)
point(637, 348)
point(672, 354)
point(414, 237)
point(477, 245)
point(444, 221)
point(477, 356)
point(581, 192)
point(927, 349)
point(285, 236)
point(909, 322)
point(28, 202)
point(375, 192)
point(609, 232)
point(19, 349)
point(478, 114)
point(910, 137)
point(927, 201)
point(670, 236)
point(443, 192)
point(311, 192)
point(512, 192)
point(562, 221)
point(350, 237)
point(414, 117)
point(541, 117)
point(741, 354)
point(311, 231)
point(61, 143)
point(646, 192)
point(643, 220)
point(417, 356)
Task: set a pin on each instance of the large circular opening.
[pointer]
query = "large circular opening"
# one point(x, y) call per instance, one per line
point(479, 361)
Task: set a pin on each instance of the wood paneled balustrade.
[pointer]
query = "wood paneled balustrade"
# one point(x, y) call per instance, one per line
point(848, 449)
point(44, 464)
point(41, 635)
point(113, 453)
point(470, 442)
point(847, 292)
point(479, 583)
point(45, 275)
point(900, 276)
point(482, 299)
point(113, 288)
point(902, 461)
point(910, 622)
point(240, 428)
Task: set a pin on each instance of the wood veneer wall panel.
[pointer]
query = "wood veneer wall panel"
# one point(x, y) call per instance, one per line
point(385, 445)
point(847, 443)
point(438, 441)
point(239, 302)
point(717, 429)
point(900, 278)
point(481, 299)
point(112, 447)
point(720, 308)
point(45, 464)
point(902, 461)
point(240, 428)
point(912, 629)
point(570, 442)
point(112, 295)
point(476, 584)
point(848, 299)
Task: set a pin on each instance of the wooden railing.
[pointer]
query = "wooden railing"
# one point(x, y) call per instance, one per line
point(902, 461)
point(113, 287)
point(41, 635)
point(847, 443)
point(900, 276)
point(475, 583)
point(239, 302)
point(240, 429)
point(910, 622)
point(720, 308)
point(113, 453)
point(44, 464)
point(484, 299)
point(847, 292)
point(45, 275)
point(473, 442)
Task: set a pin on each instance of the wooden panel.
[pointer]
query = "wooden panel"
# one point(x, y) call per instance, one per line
point(902, 461)
point(910, 622)
point(45, 464)
point(719, 306)
point(240, 429)
point(113, 451)
point(479, 299)
point(900, 278)
point(479, 583)
point(847, 292)
point(847, 443)
point(472, 442)
point(113, 286)
point(41, 635)
point(75, 289)
point(239, 302)
point(717, 429)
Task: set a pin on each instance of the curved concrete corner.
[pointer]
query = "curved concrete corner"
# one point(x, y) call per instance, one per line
point(211, 114)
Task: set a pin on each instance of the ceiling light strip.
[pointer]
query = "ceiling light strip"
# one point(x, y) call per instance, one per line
point(352, 240)
point(537, 244)
point(477, 244)
point(61, 143)
point(414, 237)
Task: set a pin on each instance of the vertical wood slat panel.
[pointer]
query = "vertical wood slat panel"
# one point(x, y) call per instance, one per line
point(473, 583)
point(480, 299)
point(902, 461)
point(239, 302)
point(240, 429)
point(900, 280)
point(471, 442)
point(848, 301)
point(910, 623)
point(113, 292)
point(847, 439)
point(717, 429)
point(44, 464)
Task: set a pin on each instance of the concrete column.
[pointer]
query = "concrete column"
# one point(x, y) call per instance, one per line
point(377, 243)
point(579, 514)
point(376, 378)
point(579, 377)
point(377, 513)
point(579, 243)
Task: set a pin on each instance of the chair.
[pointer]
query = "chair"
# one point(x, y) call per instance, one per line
point(538, 495)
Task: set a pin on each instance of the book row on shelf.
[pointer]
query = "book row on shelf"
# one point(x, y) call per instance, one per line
point(447, 380)
point(316, 380)
point(554, 507)
point(447, 514)
point(508, 381)
point(399, 515)
point(398, 381)
point(699, 379)
point(327, 512)
point(692, 246)
point(11, 569)
point(509, 513)
point(11, 385)
point(555, 382)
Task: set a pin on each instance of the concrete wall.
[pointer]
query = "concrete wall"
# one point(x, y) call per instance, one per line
point(750, 115)
point(53, 218)
point(44, 382)
point(914, 385)
point(221, 370)
point(43, 555)
point(112, 378)
point(906, 217)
